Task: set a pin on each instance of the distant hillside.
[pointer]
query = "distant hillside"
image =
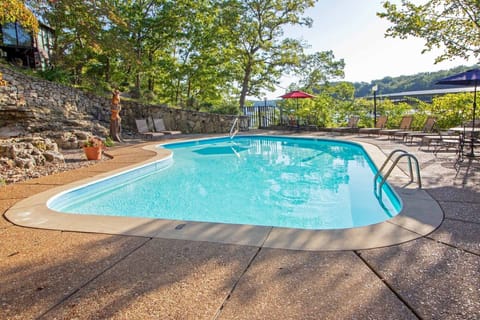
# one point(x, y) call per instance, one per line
point(419, 81)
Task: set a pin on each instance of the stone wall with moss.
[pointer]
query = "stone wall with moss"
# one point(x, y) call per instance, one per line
point(31, 105)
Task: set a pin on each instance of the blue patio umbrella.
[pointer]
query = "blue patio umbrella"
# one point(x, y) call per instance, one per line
point(468, 78)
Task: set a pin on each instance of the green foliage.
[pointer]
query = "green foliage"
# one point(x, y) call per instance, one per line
point(56, 75)
point(256, 41)
point(192, 54)
point(12, 11)
point(227, 108)
point(109, 142)
point(452, 25)
point(318, 68)
point(452, 109)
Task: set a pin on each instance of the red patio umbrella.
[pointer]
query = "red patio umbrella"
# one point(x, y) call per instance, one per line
point(297, 94)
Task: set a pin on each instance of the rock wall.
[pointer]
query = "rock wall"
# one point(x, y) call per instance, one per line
point(30, 105)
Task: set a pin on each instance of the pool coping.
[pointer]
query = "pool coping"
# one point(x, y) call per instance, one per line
point(420, 215)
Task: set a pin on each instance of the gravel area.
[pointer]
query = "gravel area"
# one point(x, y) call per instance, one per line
point(74, 159)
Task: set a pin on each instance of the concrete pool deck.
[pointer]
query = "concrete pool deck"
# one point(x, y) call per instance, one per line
point(420, 216)
point(62, 274)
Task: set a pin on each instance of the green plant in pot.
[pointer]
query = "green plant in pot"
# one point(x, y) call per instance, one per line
point(93, 148)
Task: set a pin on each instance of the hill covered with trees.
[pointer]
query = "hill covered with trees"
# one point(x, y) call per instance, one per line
point(419, 81)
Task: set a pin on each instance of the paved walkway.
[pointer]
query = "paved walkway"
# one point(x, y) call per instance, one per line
point(64, 275)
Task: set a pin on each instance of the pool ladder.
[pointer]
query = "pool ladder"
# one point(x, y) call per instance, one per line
point(378, 184)
point(234, 129)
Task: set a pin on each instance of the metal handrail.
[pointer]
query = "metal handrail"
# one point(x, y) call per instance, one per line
point(233, 130)
point(395, 162)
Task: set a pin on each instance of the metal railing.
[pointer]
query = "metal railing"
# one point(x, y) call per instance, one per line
point(234, 129)
point(403, 154)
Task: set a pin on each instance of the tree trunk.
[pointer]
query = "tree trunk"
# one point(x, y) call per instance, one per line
point(151, 81)
point(177, 93)
point(189, 99)
point(107, 70)
point(245, 84)
point(137, 85)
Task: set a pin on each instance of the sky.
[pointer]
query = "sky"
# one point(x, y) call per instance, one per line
point(351, 29)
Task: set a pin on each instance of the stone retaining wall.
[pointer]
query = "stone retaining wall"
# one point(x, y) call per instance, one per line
point(30, 105)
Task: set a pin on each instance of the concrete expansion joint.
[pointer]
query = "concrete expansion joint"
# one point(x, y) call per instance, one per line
point(259, 248)
point(420, 235)
point(384, 281)
point(44, 315)
point(234, 286)
point(452, 246)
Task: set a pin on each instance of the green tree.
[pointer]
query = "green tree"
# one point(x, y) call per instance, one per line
point(79, 31)
point(201, 67)
point(15, 11)
point(453, 25)
point(316, 69)
point(451, 109)
point(260, 51)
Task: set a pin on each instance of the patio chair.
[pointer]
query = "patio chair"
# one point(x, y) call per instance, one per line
point(405, 124)
point(442, 140)
point(447, 142)
point(427, 129)
point(144, 131)
point(381, 121)
point(160, 127)
point(351, 125)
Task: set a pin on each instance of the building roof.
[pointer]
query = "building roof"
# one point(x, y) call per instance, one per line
point(420, 93)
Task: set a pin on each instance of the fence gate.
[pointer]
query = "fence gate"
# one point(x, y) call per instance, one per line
point(261, 116)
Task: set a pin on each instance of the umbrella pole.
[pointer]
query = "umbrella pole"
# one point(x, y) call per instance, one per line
point(298, 125)
point(472, 138)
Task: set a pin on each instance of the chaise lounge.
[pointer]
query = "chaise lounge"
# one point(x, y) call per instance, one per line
point(427, 129)
point(160, 127)
point(351, 126)
point(381, 121)
point(144, 131)
point(405, 124)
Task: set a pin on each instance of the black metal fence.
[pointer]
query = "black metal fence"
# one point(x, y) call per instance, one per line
point(262, 116)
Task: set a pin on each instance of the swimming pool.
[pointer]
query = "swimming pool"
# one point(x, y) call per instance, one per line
point(257, 180)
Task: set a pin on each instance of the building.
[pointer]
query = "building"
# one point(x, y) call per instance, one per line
point(22, 48)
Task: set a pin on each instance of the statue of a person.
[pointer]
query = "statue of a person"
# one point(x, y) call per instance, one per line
point(115, 116)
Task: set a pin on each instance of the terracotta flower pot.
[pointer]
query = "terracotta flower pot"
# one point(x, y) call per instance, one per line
point(93, 153)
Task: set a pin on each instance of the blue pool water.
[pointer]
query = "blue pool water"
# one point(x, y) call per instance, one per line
point(257, 180)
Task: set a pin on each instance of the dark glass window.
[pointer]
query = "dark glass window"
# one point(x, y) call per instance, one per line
point(9, 34)
point(24, 37)
point(15, 35)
